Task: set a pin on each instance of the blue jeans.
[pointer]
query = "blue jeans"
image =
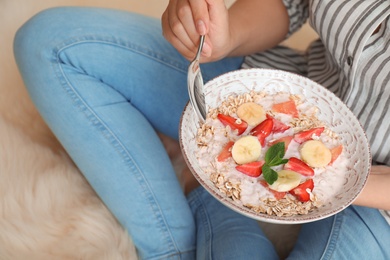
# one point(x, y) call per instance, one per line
point(105, 81)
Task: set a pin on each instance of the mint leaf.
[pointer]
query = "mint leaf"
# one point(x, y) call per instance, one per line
point(274, 155)
point(277, 161)
point(270, 176)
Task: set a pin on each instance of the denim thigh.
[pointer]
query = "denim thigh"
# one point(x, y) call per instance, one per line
point(105, 81)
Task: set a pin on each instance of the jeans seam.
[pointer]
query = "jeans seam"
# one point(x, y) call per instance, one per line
point(206, 223)
point(333, 236)
point(152, 54)
point(114, 140)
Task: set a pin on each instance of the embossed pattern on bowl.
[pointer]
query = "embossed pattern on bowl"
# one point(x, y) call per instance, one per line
point(333, 112)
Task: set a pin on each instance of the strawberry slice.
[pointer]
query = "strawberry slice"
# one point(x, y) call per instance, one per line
point(285, 139)
point(336, 151)
point(252, 169)
point(287, 107)
point(300, 192)
point(296, 165)
point(226, 152)
point(279, 127)
point(233, 123)
point(277, 194)
point(262, 130)
point(307, 135)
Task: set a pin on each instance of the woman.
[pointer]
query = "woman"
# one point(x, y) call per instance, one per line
point(105, 81)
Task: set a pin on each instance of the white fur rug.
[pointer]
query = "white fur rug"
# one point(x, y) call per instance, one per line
point(48, 210)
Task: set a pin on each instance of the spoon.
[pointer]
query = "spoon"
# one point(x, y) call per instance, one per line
point(195, 85)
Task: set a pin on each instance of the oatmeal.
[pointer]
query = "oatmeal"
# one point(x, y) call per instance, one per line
point(270, 153)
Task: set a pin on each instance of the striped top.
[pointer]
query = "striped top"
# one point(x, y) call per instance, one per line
point(351, 58)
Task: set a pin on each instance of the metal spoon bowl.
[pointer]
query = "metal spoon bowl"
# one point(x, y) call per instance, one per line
point(195, 85)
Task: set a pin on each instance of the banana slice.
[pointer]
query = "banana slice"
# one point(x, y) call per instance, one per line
point(315, 153)
point(251, 113)
point(287, 180)
point(246, 149)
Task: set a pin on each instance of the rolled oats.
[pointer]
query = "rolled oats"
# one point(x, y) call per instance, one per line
point(232, 188)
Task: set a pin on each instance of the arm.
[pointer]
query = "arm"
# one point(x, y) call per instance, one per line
point(257, 25)
point(248, 26)
point(376, 193)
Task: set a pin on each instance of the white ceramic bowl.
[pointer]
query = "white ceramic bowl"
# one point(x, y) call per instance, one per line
point(333, 112)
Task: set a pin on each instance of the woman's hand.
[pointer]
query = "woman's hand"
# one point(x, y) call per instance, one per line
point(185, 20)
point(376, 193)
point(247, 27)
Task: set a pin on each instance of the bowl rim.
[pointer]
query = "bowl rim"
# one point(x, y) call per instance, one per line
point(262, 216)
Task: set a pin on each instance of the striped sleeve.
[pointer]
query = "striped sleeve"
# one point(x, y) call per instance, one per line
point(298, 11)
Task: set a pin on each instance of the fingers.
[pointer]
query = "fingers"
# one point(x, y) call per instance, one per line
point(176, 34)
point(186, 19)
point(200, 14)
point(183, 22)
